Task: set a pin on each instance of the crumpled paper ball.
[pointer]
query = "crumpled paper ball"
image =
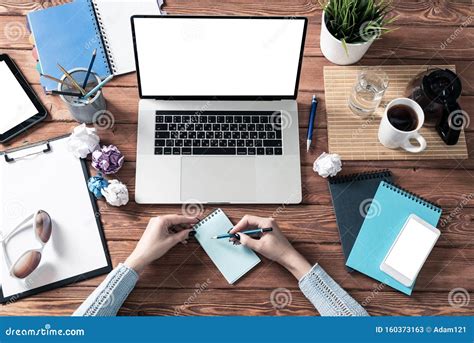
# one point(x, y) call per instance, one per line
point(96, 184)
point(327, 164)
point(116, 193)
point(107, 160)
point(82, 141)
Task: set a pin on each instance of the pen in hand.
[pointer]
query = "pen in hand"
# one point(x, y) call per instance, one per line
point(247, 232)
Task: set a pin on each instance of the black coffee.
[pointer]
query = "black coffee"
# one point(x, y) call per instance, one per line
point(403, 117)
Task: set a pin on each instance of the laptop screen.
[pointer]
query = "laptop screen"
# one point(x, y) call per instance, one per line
point(206, 57)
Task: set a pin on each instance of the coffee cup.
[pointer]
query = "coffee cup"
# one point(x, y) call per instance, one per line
point(401, 121)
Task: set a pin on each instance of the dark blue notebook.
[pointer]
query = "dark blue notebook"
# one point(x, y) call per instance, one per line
point(351, 197)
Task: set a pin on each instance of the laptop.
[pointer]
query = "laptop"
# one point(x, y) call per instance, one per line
point(218, 118)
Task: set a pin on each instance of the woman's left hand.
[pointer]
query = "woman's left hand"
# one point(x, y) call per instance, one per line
point(161, 234)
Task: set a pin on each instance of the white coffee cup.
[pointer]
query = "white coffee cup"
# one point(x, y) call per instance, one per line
point(393, 138)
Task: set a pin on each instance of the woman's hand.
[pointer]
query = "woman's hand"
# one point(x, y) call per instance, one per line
point(161, 234)
point(273, 245)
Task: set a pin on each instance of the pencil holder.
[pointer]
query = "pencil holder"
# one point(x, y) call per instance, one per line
point(84, 111)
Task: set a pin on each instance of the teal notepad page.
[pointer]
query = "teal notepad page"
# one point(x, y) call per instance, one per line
point(233, 261)
point(389, 210)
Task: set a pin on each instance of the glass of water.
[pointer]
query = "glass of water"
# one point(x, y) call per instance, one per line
point(368, 91)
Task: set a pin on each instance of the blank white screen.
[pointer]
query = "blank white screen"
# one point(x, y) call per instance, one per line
point(218, 57)
point(16, 106)
point(412, 247)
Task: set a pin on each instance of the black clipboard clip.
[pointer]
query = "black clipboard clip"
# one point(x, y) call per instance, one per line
point(9, 159)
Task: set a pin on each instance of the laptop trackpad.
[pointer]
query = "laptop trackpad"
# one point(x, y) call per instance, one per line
point(218, 179)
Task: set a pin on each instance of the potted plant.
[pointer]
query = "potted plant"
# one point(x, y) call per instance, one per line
point(349, 27)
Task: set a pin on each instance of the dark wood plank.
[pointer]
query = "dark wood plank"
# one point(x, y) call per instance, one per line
point(302, 223)
point(312, 79)
point(446, 188)
point(425, 12)
point(407, 42)
point(124, 136)
point(123, 105)
point(168, 284)
point(186, 265)
point(203, 301)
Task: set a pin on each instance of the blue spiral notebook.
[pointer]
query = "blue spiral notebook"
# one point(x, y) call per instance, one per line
point(68, 34)
point(388, 211)
point(233, 261)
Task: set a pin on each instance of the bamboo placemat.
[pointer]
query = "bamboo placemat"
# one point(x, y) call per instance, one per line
point(356, 139)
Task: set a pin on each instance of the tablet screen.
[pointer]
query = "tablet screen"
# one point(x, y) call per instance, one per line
point(15, 105)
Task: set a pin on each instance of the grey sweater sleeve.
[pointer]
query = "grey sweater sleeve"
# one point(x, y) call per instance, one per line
point(107, 299)
point(327, 296)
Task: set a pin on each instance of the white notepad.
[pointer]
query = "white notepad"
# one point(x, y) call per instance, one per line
point(233, 261)
point(55, 182)
point(113, 17)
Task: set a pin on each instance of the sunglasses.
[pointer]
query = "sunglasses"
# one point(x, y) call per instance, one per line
point(30, 259)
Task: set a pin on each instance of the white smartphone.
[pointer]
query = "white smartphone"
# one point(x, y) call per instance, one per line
point(410, 250)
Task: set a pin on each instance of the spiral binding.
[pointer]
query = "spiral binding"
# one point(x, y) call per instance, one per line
point(100, 31)
point(209, 217)
point(360, 176)
point(412, 196)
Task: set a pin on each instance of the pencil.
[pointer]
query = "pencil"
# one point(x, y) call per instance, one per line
point(89, 69)
point(73, 82)
point(247, 232)
point(55, 92)
point(52, 78)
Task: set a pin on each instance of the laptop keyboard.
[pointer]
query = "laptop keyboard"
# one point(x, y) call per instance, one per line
point(218, 133)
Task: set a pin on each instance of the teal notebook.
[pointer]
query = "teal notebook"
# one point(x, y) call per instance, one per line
point(233, 261)
point(388, 211)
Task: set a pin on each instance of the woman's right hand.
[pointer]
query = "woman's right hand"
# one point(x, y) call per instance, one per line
point(273, 245)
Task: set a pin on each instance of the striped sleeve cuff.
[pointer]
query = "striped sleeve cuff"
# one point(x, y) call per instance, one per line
point(327, 296)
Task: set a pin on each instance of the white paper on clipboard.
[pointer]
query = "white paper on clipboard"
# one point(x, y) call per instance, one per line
point(53, 182)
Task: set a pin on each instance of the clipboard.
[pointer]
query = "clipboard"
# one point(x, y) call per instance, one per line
point(31, 156)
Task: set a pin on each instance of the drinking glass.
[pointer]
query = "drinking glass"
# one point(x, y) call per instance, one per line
point(368, 91)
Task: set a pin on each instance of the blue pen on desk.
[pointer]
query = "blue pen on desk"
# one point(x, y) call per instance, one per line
point(247, 232)
point(312, 116)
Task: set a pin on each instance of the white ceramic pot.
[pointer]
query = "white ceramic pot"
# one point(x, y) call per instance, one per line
point(334, 51)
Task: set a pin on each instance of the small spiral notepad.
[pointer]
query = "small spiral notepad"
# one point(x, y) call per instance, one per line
point(233, 261)
point(389, 210)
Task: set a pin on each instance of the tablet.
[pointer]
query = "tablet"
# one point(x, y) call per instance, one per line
point(20, 108)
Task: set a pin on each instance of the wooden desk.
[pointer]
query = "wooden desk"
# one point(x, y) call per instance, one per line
point(169, 286)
